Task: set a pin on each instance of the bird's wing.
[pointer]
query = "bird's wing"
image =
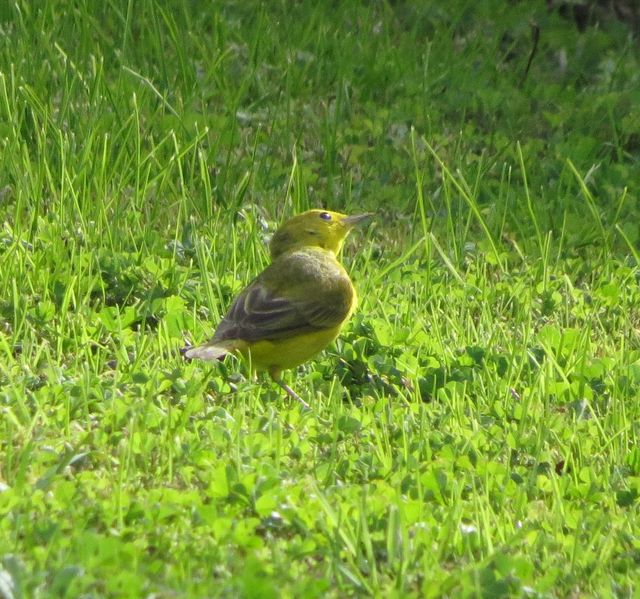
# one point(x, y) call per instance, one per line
point(264, 311)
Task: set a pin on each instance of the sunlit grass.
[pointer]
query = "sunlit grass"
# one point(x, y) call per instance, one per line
point(474, 431)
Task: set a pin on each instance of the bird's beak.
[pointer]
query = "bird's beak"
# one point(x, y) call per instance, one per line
point(356, 219)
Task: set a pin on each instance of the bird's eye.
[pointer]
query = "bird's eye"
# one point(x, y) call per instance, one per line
point(325, 216)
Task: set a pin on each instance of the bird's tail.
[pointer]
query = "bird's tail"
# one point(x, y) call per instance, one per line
point(208, 351)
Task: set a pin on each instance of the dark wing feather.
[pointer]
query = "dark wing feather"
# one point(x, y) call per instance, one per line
point(265, 310)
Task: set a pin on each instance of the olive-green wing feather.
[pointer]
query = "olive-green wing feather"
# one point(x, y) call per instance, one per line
point(273, 307)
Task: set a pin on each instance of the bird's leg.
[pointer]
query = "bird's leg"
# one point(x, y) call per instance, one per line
point(291, 393)
point(276, 375)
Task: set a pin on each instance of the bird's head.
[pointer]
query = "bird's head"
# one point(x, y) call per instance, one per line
point(314, 228)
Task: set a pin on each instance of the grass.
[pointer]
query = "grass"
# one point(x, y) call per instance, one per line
point(475, 429)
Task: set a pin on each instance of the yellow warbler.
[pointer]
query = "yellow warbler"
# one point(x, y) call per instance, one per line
point(297, 305)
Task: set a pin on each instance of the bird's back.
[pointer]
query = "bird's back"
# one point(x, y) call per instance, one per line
point(302, 291)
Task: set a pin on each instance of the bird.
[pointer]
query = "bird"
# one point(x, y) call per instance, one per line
point(296, 306)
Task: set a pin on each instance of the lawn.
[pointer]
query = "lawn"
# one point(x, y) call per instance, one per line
point(474, 432)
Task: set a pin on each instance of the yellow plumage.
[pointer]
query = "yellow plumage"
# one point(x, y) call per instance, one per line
point(297, 305)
